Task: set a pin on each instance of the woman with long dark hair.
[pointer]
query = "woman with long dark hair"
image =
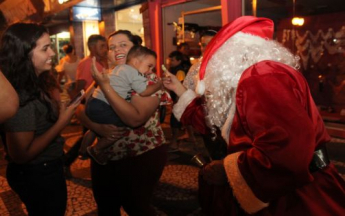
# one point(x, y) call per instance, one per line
point(33, 143)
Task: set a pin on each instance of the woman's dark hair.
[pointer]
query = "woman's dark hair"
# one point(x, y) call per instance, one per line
point(16, 45)
point(138, 51)
point(177, 55)
point(136, 40)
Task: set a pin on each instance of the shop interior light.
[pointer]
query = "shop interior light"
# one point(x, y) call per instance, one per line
point(63, 35)
point(63, 1)
point(297, 21)
point(254, 5)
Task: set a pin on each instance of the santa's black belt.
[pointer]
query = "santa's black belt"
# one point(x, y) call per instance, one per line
point(320, 160)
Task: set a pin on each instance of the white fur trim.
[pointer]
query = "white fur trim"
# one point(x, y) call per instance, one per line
point(186, 98)
point(243, 193)
point(249, 39)
point(200, 87)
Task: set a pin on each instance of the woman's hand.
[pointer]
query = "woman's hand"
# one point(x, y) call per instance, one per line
point(66, 112)
point(171, 82)
point(104, 130)
point(100, 77)
point(214, 173)
point(111, 132)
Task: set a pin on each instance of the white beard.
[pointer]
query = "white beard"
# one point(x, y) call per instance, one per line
point(225, 69)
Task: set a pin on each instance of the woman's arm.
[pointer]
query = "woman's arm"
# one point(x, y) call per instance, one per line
point(132, 114)
point(8, 99)
point(24, 146)
point(151, 89)
point(104, 130)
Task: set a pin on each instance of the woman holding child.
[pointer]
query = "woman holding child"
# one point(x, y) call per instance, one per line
point(137, 158)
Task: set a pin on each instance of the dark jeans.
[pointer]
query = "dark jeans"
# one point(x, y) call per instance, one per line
point(100, 112)
point(42, 187)
point(128, 183)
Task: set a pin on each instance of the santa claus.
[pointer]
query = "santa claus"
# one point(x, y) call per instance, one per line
point(250, 88)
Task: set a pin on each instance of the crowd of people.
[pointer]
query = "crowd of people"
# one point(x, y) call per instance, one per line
point(244, 95)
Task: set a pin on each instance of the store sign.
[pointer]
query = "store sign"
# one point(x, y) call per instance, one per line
point(86, 13)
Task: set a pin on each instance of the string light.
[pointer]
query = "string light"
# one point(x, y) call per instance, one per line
point(297, 21)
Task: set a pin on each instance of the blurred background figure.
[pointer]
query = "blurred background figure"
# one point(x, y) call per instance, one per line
point(175, 67)
point(67, 68)
point(185, 50)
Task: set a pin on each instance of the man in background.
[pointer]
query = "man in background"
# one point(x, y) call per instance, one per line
point(98, 48)
point(97, 45)
point(184, 49)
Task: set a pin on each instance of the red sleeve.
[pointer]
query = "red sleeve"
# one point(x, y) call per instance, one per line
point(274, 111)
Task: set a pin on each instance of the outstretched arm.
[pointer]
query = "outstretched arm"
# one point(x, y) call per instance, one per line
point(151, 89)
point(8, 99)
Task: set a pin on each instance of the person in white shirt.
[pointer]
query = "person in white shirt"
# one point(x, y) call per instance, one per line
point(68, 68)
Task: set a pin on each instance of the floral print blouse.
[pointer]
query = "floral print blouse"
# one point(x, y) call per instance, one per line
point(144, 138)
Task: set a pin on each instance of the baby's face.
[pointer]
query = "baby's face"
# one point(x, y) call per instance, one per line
point(146, 64)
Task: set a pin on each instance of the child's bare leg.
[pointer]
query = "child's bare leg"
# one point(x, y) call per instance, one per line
point(88, 139)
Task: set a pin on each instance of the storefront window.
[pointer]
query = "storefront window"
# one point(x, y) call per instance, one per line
point(318, 38)
point(130, 19)
point(58, 41)
point(184, 23)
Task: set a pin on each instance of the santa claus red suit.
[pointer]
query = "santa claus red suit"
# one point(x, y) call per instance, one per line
point(276, 162)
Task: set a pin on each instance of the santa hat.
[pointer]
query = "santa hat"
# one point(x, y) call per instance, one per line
point(261, 27)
